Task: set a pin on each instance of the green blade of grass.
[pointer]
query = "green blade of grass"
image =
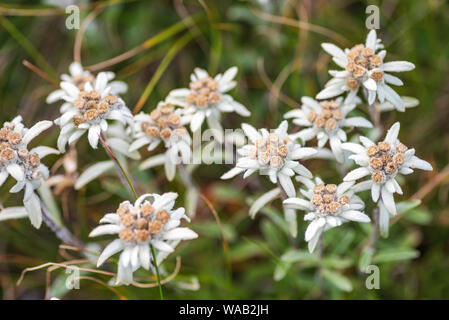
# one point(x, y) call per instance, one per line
point(179, 44)
point(147, 44)
point(28, 46)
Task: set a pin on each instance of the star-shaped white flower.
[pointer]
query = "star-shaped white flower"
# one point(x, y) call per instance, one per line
point(79, 77)
point(327, 206)
point(274, 154)
point(206, 98)
point(383, 162)
point(24, 165)
point(89, 110)
point(326, 120)
point(138, 226)
point(163, 124)
point(364, 65)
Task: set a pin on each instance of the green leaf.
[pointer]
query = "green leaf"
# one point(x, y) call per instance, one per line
point(337, 262)
point(281, 270)
point(298, 255)
point(366, 258)
point(262, 201)
point(275, 216)
point(245, 251)
point(272, 235)
point(419, 216)
point(192, 197)
point(338, 280)
point(49, 202)
point(397, 254)
point(344, 241)
point(404, 206)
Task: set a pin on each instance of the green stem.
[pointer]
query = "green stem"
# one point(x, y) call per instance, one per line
point(128, 180)
point(161, 294)
point(61, 232)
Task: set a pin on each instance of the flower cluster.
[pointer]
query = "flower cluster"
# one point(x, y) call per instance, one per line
point(364, 66)
point(88, 110)
point(79, 77)
point(327, 206)
point(24, 164)
point(274, 154)
point(383, 161)
point(326, 120)
point(206, 98)
point(92, 104)
point(139, 226)
point(163, 124)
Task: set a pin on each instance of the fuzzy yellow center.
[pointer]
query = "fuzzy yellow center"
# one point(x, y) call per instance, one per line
point(204, 92)
point(270, 151)
point(12, 149)
point(329, 117)
point(165, 124)
point(385, 160)
point(325, 199)
point(361, 60)
point(91, 106)
point(141, 224)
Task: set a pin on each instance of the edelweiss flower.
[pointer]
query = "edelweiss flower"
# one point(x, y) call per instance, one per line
point(383, 161)
point(163, 124)
point(88, 111)
point(79, 77)
point(206, 98)
point(364, 65)
point(24, 165)
point(327, 206)
point(138, 226)
point(326, 118)
point(274, 154)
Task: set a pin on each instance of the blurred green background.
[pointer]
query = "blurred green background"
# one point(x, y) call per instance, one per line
point(276, 45)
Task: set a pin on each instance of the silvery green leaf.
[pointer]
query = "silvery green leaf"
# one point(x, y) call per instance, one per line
point(298, 256)
point(281, 270)
point(419, 216)
point(396, 254)
point(336, 262)
point(191, 284)
point(409, 102)
point(191, 201)
point(13, 213)
point(262, 201)
point(93, 172)
point(365, 258)
point(290, 218)
point(337, 280)
point(49, 201)
point(404, 206)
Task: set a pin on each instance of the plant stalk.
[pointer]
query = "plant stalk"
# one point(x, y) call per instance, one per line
point(127, 181)
point(61, 232)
